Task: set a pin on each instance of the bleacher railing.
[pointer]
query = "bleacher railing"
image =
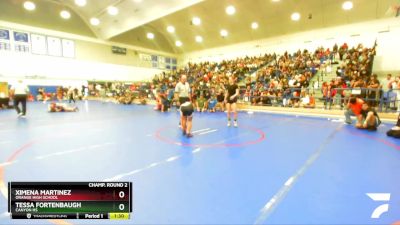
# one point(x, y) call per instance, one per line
point(337, 98)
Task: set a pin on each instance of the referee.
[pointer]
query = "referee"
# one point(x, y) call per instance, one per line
point(20, 91)
point(182, 91)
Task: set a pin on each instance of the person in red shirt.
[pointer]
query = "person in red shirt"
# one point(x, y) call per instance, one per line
point(354, 108)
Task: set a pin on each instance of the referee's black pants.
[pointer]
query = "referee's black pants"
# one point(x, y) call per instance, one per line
point(20, 99)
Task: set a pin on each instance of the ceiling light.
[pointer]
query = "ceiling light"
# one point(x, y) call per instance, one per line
point(178, 43)
point(347, 5)
point(196, 21)
point(295, 16)
point(199, 39)
point(230, 10)
point(276, 0)
point(254, 25)
point(112, 10)
point(29, 5)
point(94, 21)
point(65, 14)
point(150, 35)
point(80, 3)
point(137, 1)
point(224, 33)
point(171, 29)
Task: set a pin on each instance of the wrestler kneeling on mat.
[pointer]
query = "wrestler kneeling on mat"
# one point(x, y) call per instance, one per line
point(60, 107)
point(370, 118)
point(186, 118)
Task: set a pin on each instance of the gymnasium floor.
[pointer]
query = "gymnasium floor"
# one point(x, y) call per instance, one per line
point(273, 169)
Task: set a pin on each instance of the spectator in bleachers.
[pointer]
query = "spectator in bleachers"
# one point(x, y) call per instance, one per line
point(386, 88)
point(277, 73)
point(265, 98)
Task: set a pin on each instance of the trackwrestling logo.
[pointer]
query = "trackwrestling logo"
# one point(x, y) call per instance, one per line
point(379, 197)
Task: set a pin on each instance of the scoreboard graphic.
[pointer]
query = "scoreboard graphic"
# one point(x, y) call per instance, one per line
point(70, 200)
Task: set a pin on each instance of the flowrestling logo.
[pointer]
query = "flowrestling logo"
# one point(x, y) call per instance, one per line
point(380, 197)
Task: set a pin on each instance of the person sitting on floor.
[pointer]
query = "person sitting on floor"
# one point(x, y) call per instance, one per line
point(370, 118)
point(308, 101)
point(395, 131)
point(61, 107)
point(162, 103)
point(201, 104)
point(212, 103)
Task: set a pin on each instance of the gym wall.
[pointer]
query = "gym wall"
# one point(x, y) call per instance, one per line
point(93, 60)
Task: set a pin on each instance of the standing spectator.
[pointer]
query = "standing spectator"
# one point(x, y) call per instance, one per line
point(60, 94)
point(340, 91)
point(326, 92)
point(387, 90)
point(20, 91)
point(71, 94)
point(373, 92)
point(170, 95)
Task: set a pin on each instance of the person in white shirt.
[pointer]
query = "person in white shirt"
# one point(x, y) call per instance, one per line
point(182, 90)
point(20, 91)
